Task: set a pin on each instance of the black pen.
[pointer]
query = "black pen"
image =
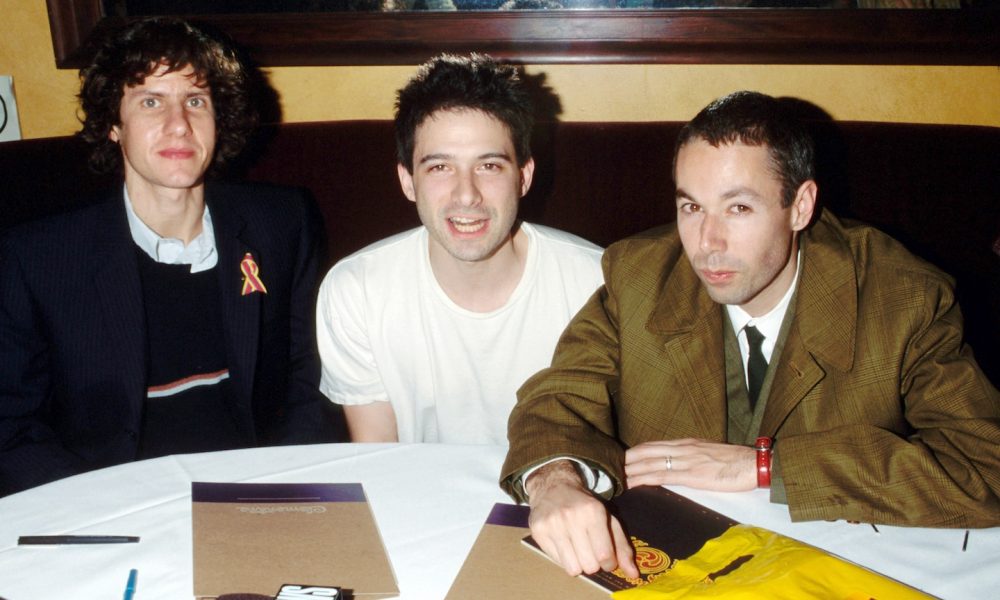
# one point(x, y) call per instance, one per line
point(59, 540)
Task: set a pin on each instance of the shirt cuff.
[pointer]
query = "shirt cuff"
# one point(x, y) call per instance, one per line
point(596, 480)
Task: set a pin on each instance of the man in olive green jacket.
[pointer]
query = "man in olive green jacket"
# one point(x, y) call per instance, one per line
point(871, 406)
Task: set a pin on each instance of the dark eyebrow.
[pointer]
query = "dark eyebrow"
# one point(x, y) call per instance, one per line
point(444, 156)
point(750, 193)
point(502, 155)
point(197, 91)
point(430, 157)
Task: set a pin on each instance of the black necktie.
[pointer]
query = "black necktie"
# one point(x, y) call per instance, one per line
point(756, 365)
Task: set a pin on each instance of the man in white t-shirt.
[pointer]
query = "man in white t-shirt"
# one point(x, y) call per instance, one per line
point(426, 336)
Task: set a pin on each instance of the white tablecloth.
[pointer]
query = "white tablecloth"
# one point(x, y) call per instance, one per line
point(429, 502)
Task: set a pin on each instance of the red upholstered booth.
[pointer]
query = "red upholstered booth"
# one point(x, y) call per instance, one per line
point(935, 187)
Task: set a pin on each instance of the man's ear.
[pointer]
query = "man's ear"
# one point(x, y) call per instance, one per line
point(527, 172)
point(114, 135)
point(804, 205)
point(406, 182)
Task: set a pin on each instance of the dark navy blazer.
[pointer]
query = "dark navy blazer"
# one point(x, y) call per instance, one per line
point(72, 332)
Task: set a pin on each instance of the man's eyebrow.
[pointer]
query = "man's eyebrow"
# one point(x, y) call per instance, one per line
point(152, 91)
point(437, 156)
point(741, 191)
point(502, 155)
point(737, 192)
point(445, 156)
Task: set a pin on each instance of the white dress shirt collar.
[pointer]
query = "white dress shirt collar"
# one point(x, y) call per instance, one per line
point(200, 253)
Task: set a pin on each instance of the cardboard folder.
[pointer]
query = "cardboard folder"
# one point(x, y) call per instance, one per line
point(252, 538)
point(500, 567)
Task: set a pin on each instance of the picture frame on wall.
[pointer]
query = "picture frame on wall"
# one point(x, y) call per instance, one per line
point(578, 36)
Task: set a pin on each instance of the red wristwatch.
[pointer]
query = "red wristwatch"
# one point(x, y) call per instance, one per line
point(763, 448)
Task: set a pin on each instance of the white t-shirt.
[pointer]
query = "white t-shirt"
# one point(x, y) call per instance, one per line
point(388, 332)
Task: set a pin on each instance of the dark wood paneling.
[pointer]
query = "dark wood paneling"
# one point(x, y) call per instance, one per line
point(939, 37)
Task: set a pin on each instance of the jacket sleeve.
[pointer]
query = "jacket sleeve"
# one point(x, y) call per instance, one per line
point(938, 464)
point(30, 450)
point(566, 410)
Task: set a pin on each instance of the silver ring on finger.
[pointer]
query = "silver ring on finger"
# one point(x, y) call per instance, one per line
point(670, 463)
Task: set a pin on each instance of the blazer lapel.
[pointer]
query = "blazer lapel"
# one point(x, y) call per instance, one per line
point(119, 293)
point(240, 314)
point(689, 322)
point(824, 328)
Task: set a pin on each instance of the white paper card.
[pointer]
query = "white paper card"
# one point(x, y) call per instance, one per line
point(9, 127)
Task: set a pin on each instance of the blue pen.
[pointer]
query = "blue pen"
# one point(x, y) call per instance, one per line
point(130, 585)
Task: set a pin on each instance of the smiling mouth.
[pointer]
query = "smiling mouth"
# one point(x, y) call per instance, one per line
point(465, 225)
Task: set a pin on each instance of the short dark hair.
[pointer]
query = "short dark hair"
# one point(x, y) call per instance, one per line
point(757, 119)
point(474, 82)
point(126, 58)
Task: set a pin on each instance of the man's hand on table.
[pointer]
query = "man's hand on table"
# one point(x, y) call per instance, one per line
point(572, 526)
point(693, 463)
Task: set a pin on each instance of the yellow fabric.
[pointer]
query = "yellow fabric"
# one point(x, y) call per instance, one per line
point(780, 568)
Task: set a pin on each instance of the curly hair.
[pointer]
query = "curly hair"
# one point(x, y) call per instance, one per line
point(756, 119)
point(474, 82)
point(128, 57)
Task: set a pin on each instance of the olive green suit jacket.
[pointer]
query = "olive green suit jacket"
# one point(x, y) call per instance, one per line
point(879, 411)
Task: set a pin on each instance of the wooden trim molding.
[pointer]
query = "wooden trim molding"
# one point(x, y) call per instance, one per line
point(716, 36)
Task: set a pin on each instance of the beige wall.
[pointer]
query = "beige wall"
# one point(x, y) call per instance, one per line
point(965, 95)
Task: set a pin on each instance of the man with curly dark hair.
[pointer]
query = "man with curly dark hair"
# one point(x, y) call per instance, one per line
point(176, 316)
point(159, 47)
